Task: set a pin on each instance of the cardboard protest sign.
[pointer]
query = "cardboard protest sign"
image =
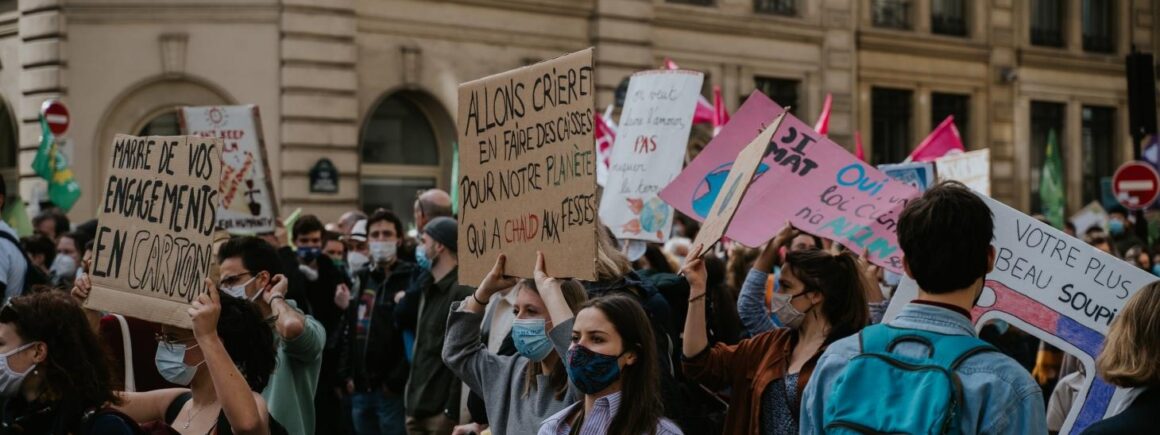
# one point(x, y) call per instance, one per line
point(919, 175)
point(740, 176)
point(248, 203)
point(1056, 288)
point(1091, 215)
point(528, 170)
point(972, 169)
point(648, 153)
point(804, 178)
point(154, 241)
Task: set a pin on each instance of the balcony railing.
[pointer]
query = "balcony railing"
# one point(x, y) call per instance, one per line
point(775, 7)
point(891, 13)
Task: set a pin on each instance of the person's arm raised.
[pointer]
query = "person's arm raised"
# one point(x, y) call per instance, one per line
point(494, 282)
point(291, 323)
point(237, 401)
point(552, 293)
point(82, 285)
point(695, 336)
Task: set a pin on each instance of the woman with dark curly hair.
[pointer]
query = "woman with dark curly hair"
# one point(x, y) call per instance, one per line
point(53, 372)
point(226, 360)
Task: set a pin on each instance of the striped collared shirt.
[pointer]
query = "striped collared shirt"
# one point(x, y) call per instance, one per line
point(603, 410)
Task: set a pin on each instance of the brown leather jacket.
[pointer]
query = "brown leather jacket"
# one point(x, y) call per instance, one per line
point(748, 367)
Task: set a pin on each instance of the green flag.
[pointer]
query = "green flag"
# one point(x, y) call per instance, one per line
point(455, 178)
point(52, 165)
point(1051, 196)
point(16, 215)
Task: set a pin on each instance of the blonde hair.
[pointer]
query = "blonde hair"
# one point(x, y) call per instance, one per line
point(611, 264)
point(1130, 354)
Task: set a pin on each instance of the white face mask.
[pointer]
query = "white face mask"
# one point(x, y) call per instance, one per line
point(357, 261)
point(383, 252)
point(10, 381)
point(239, 291)
point(64, 267)
point(786, 314)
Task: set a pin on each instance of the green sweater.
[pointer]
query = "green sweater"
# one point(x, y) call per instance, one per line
point(290, 393)
point(432, 388)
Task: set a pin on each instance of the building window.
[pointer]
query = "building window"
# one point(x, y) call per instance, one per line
point(890, 114)
point(948, 17)
point(891, 13)
point(957, 105)
point(693, 2)
point(165, 124)
point(776, 7)
point(1047, 23)
point(1098, 136)
point(1097, 26)
point(784, 92)
point(400, 156)
point(1046, 120)
point(8, 150)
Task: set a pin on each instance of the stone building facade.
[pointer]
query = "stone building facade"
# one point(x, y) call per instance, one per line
point(371, 84)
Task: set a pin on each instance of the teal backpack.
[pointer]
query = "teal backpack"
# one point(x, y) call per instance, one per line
point(881, 392)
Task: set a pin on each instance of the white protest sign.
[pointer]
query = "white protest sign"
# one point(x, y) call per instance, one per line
point(1091, 215)
point(972, 169)
point(1055, 288)
point(248, 202)
point(649, 149)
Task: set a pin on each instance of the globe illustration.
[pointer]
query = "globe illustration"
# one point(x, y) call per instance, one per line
point(653, 215)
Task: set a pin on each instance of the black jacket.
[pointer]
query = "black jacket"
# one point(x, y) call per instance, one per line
point(381, 360)
point(1138, 418)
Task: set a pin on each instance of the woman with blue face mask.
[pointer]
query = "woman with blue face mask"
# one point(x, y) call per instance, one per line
point(520, 390)
point(54, 378)
point(225, 362)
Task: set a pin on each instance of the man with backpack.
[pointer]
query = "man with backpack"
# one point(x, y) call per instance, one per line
point(13, 262)
point(870, 382)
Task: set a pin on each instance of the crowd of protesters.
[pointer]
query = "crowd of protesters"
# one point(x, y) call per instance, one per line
point(361, 326)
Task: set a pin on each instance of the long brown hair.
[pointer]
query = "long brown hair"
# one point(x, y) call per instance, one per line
point(76, 367)
point(840, 280)
point(640, 382)
point(1133, 344)
point(575, 295)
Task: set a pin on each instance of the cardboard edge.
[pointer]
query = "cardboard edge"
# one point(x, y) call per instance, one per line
point(133, 305)
point(590, 52)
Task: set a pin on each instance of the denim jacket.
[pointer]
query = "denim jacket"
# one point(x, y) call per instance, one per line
point(1000, 397)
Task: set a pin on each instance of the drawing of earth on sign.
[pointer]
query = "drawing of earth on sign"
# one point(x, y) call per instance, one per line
point(651, 216)
point(707, 190)
point(998, 297)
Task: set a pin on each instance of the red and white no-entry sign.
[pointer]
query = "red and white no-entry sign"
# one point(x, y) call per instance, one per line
point(1136, 185)
point(56, 114)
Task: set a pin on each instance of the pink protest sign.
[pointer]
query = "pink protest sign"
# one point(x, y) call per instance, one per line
point(804, 178)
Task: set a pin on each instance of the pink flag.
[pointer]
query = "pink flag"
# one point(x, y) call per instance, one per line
point(858, 152)
point(605, 135)
point(823, 124)
point(704, 111)
point(942, 140)
point(720, 115)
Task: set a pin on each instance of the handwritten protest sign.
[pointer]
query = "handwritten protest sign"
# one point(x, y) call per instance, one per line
point(649, 150)
point(804, 178)
point(248, 203)
point(1055, 288)
point(919, 175)
point(528, 170)
point(972, 169)
point(737, 182)
point(154, 241)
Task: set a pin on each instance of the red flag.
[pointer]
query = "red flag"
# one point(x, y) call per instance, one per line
point(704, 112)
point(720, 115)
point(605, 135)
point(823, 124)
point(858, 152)
point(942, 140)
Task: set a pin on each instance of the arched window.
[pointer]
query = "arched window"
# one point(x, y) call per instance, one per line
point(162, 124)
point(403, 143)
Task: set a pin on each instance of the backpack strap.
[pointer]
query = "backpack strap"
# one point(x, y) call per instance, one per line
point(174, 408)
point(127, 347)
point(945, 350)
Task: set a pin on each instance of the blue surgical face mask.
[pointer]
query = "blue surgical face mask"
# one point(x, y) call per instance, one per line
point(421, 258)
point(1156, 269)
point(1001, 326)
point(171, 364)
point(11, 380)
point(309, 254)
point(592, 372)
point(531, 338)
point(1116, 227)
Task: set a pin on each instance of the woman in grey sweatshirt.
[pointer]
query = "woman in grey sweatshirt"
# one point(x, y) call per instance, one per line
point(520, 390)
